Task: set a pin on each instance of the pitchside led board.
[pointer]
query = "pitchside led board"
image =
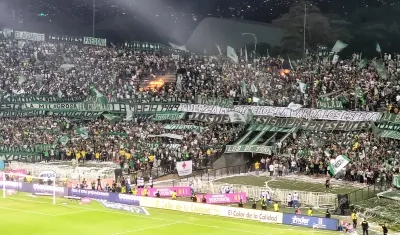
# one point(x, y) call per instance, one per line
point(1, 165)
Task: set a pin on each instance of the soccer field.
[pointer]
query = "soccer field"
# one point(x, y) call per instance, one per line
point(27, 215)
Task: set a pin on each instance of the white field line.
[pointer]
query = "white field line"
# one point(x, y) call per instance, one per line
point(71, 213)
point(142, 229)
point(25, 211)
point(262, 226)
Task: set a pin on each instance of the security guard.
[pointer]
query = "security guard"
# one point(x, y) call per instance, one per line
point(276, 207)
point(327, 214)
point(264, 204)
point(365, 227)
point(385, 229)
point(174, 195)
point(354, 219)
point(309, 212)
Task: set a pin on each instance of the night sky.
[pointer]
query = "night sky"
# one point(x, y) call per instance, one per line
point(178, 10)
point(162, 14)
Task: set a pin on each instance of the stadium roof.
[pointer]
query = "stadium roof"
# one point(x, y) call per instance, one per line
point(224, 32)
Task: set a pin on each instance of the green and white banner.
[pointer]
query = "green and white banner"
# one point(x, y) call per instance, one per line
point(184, 127)
point(95, 41)
point(23, 35)
point(390, 134)
point(269, 128)
point(337, 164)
point(37, 148)
point(396, 181)
point(388, 126)
point(312, 125)
point(21, 157)
point(168, 135)
point(391, 117)
point(249, 149)
point(209, 118)
point(330, 104)
point(169, 116)
point(302, 113)
point(218, 101)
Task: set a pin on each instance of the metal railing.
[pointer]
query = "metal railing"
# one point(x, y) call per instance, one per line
point(367, 192)
point(208, 175)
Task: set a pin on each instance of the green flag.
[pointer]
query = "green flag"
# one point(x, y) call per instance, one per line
point(82, 132)
point(360, 95)
point(111, 118)
point(338, 164)
point(63, 140)
point(100, 97)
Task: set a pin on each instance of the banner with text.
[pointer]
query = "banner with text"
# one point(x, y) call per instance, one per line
point(218, 101)
point(249, 149)
point(330, 104)
point(23, 35)
point(313, 125)
point(210, 118)
point(167, 192)
point(310, 222)
point(168, 116)
point(64, 38)
point(305, 113)
point(95, 41)
point(227, 198)
point(108, 196)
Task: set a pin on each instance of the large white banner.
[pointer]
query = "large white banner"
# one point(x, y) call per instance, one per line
point(184, 168)
point(22, 35)
point(305, 113)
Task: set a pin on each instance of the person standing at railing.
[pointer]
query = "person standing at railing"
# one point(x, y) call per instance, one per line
point(257, 167)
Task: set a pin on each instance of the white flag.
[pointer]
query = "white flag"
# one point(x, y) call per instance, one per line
point(184, 168)
point(378, 48)
point(236, 117)
point(294, 106)
point(338, 164)
point(335, 59)
point(129, 115)
point(245, 52)
point(248, 116)
point(231, 53)
point(339, 46)
point(219, 49)
point(302, 87)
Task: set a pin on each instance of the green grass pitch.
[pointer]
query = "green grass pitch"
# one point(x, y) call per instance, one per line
point(27, 215)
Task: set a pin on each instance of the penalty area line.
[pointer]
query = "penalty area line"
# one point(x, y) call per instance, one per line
point(143, 229)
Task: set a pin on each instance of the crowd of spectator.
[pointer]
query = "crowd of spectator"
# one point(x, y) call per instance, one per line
point(68, 70)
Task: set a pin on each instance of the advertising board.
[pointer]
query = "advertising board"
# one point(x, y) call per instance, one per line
point(208, 209)
point(226, 198)
point(310, 221)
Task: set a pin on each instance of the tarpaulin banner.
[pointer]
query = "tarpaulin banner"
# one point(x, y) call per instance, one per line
point(167, 192)
point(249, 149)
point(108, 196)
point(223, 198)
point(311, 222)
point(312, 125)
point(34, 188)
